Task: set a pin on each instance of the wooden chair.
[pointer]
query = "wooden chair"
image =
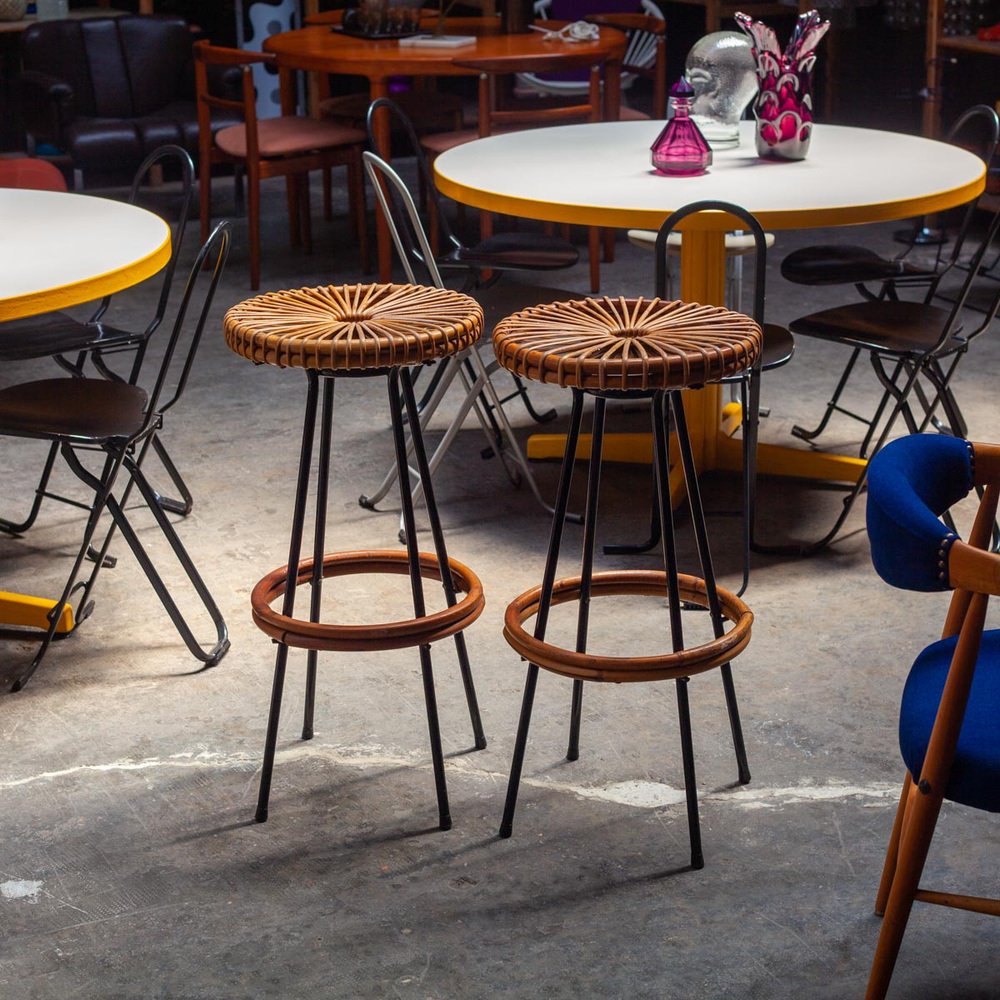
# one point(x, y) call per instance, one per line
point(289, 146)
point(645, 58)
point(32, 174)
point(949, 738)
point(495, 118)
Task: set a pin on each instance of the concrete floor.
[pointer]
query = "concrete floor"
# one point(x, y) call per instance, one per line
point(131, 864)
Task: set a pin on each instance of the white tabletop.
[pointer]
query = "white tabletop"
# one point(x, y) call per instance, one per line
point(600, 175)
point(58, 250)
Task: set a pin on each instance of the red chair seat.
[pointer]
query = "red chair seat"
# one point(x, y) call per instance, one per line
point(287, 135)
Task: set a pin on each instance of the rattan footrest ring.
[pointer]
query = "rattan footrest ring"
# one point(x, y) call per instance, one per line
point(617, 669)
point(388, 635)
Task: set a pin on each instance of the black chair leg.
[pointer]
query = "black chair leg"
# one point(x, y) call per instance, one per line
point(423, 470)
point(661, 459)
point(541, 619)
point(319, 548)
point(587, 568)
point(17, 527)
point(291, 580)
point(708, 574)
point(416, 589)
point(833, 405)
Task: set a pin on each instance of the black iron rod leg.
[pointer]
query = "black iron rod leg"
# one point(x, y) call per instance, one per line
point(319, 548)
point(545, 599)
point(587, 568)
point(423, 469)
point(417, 589)
point(288, 602)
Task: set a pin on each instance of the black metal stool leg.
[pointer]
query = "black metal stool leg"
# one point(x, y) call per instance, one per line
point(541, 619)
point(319, 547)
point(288, 603)
point(423, 469)
point(661, 457)
point(587, 568)
point(708, 574)
point(417, 589)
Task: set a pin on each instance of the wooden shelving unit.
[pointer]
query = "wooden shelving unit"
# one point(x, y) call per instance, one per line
point(939, 46)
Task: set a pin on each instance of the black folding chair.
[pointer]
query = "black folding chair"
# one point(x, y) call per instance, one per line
point(119, 421)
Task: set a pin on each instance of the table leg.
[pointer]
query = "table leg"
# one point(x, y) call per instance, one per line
point(379, 87)
point(711, 424)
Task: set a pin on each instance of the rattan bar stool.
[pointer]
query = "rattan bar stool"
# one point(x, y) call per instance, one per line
point(612, 349)
point(361, 331)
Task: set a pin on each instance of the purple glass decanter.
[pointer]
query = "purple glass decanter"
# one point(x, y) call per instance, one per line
point(680, 148)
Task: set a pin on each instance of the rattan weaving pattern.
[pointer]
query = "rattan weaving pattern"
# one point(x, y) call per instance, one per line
point(350, 327)
point(608, 344)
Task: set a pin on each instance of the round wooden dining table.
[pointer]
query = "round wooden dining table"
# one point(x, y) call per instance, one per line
point(600, 175)
point(322, 48)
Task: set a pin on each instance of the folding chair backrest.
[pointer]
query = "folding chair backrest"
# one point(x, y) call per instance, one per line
point(978, 130)
point(401, 125)
point(189, 323)
point(403, 220)
point(747, 221)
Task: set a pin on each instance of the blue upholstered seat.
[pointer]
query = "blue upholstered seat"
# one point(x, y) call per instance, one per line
point(975, 775)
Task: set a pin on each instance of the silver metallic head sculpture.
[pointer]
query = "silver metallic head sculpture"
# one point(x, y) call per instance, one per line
point(721, 69)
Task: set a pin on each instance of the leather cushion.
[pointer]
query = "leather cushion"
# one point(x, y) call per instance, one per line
point(104, 143)
point(288, 135)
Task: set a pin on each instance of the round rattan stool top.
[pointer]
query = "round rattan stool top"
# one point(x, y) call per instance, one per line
point(353, 327)
point(607, 344)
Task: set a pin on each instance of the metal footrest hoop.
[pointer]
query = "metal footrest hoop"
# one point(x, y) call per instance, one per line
point(388, 635)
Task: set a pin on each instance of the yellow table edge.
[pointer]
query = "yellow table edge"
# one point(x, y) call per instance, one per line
point(96, 287)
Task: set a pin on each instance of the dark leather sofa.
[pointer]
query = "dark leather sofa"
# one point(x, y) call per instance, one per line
point(105, 92)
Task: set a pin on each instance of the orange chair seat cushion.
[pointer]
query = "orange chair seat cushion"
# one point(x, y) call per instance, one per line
point(618, 344)
point(353, 327)
point(287, 136)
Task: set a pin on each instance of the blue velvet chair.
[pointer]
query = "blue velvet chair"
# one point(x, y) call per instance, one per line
point(948, 729)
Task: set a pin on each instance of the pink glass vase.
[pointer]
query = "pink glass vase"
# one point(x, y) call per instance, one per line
point(681, 148)
point(783, 108)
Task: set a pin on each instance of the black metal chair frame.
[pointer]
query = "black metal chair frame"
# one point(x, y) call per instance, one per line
point(520, 252)
point(125, 449)
point(898, 372)
point(747, 382)
point(909, 277)
point(58, 336)
point(402, 217)
point(400, 392)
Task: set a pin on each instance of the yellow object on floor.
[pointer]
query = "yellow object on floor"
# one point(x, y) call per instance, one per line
point(32, 612)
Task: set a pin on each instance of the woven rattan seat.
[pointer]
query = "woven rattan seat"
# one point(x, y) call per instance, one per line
point(626, 345)
point(353, 327)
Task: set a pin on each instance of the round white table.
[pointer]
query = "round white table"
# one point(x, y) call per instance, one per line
point(61, 249)
point(600, 175)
